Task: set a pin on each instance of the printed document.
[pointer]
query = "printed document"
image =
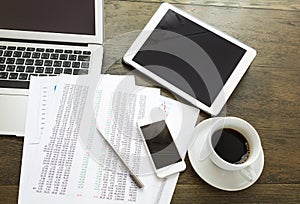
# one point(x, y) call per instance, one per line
point(65, 159)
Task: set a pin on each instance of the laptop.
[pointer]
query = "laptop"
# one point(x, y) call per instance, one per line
point(44, 38)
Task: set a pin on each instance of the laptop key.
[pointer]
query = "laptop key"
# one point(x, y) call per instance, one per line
point(14, 84)
point(73, 57)
point(23, 76)
point(30, 49)
point(40, 49)
point(10, 68)
point(30, 69)
point(78, 52)
point(29, 62)
point(59, 51)
point(2, 67)
point(17, 54)
point(26, 55)
point(76, 71)
point(85, 65)
point(21, 48)
point(43, 75)
point(67, 71)
point(49, 70)
point(87, 52)
point(54, 56)
point(39, 62)
point(1, 52)
point(58, 70)
point(39, 69)
point(57, 63)
point(20, 69)
point(67, 64)
point(48, 63)
point(45, 56)
point(20, 61)
point(11, 47)
point(32, 75)
point(13, 75)
point(36, 55)
point(2, 47)
point(2, 59)
point(3, 75)
point(63, 57)
point(68, 51)
point(49, 50)
point(83, 58)
point(75, 64)
point(7, 53)
point(83, 71)
point(10, 60)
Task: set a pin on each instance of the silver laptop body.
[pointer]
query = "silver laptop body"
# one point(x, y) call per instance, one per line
point(69, 29)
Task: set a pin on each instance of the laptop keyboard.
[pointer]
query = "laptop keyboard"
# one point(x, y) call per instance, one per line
point(18, 64)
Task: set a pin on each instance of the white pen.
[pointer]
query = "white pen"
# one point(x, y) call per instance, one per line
point(132, 175)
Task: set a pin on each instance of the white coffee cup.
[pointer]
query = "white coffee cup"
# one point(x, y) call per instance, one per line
point(251, 136)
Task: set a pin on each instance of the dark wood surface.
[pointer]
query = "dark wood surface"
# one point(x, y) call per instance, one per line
point(268, 96)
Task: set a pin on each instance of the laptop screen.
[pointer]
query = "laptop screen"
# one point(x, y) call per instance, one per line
point(57, 16)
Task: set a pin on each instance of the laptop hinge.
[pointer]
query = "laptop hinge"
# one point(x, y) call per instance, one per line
point(44, 42)
point(95, 44)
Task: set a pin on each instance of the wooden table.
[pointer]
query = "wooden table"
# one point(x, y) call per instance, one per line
point(268, 96)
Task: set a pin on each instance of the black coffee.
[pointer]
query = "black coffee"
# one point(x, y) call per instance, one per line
point(231, 145)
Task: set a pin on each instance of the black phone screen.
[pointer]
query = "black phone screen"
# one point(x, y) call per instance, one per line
point(160, 144)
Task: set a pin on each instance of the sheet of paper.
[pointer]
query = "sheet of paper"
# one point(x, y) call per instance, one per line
point(66, 167)
point(42, 91)
point(181, 119)
point(35, 124)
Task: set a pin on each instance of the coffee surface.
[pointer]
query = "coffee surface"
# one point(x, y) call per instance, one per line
point(231, 145)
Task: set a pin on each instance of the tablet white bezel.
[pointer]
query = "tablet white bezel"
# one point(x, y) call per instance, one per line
point(97, 38)
point(230, 84)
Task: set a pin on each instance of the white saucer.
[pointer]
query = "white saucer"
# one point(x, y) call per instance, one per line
point(213, 175)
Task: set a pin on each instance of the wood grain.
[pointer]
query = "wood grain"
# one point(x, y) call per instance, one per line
point(10, 159)
point(9, 194)
point(254, 4)
point(260, 193)
point(274, 34)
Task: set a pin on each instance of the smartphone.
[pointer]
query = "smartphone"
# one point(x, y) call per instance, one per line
point(161, 147)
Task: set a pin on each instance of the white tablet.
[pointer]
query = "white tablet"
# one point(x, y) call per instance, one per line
point(194, 60)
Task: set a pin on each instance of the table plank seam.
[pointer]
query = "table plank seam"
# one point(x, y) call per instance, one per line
point(217, 6)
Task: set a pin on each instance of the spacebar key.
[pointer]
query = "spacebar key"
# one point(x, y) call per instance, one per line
point(14, 84)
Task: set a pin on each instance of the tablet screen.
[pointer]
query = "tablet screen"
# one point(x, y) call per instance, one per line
point(187, 55)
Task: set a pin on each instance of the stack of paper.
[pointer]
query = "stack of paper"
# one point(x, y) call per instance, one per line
point(65, 159)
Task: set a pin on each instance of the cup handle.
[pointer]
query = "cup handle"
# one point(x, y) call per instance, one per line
point(249, 173)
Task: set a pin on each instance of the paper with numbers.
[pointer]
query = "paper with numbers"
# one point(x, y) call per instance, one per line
point(65, 160)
